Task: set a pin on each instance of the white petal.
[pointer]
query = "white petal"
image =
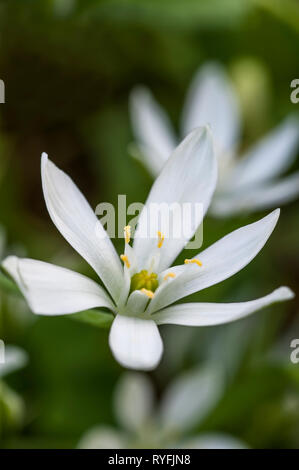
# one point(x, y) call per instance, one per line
point(190, 398)
point(136, 343)
point(133, 401)
point(79, 225)
point(213, 441)
point(269, 157)
point(52, 290)
point(211, 100)
point(221, 260)
point(206, 314)
point(137, 302)
point(152, 129)
point(151, 160)
point(102, 437)
point(189, 178)
point(262, 197)
point(14, 359)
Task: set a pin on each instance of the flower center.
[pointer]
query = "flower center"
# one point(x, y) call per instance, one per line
point(144, 280)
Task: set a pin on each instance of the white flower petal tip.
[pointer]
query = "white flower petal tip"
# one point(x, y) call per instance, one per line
point(44, 159)
point(284, 293)
point(77, 222)
point(209, 314)
point(188, 177)
point(220, 261)
point(135, 342)
point(211, 98)
point(152, 129)
point(52, 290)
point(10, 265)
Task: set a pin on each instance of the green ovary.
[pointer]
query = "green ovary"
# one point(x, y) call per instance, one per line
point(144, 280)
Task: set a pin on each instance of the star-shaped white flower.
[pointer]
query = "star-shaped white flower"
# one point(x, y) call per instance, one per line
point(246, 184)
point(145, 424)
point(140, 293)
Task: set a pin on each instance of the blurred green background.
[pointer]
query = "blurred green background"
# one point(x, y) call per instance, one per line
point(68, 68)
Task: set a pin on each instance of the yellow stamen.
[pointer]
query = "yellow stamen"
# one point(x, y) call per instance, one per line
point(147, 292)
point(160, 239)
point(126, 261)
point(127, 233)
point(193, 261)
point(168, 275)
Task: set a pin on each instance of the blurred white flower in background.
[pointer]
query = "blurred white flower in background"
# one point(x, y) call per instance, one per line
point(11, 306)
point(14, 358)
point(11, 404)
point(144, 424)
point(141, 292)
point(249, 183)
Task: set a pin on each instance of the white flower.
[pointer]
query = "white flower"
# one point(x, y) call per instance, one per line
point(11, 404)
point(14, 359)
point(140, 293)
point(245, 184)
point(184, 405)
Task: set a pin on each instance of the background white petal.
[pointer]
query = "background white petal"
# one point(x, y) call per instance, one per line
point(221, 260)
point(133, 401)
point(206, 314)
point(135, 343)
point(149, 158)
point(102, 437)
point(269, 157)
point(190, 398)
point(188, 177)
point(14, 358)
point(213, 441)
point(265, 196)
point(79, 225)
point(152, 129)
point(211, 100)
point(52, 290)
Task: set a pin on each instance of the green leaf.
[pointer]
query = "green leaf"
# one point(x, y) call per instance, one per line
point(96, 318)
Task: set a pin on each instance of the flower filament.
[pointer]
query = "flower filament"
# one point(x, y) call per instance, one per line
point(168, 276)
point(126, 261)
point(145, 280)
point(147, 292)
point(193, 261)
point(160, 239)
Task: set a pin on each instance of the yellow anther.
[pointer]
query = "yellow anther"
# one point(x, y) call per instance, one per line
point(147, 292)
point(168, 275)
point(127, 233)
point(126, 261)
point(160, 239)
point(193, 261)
